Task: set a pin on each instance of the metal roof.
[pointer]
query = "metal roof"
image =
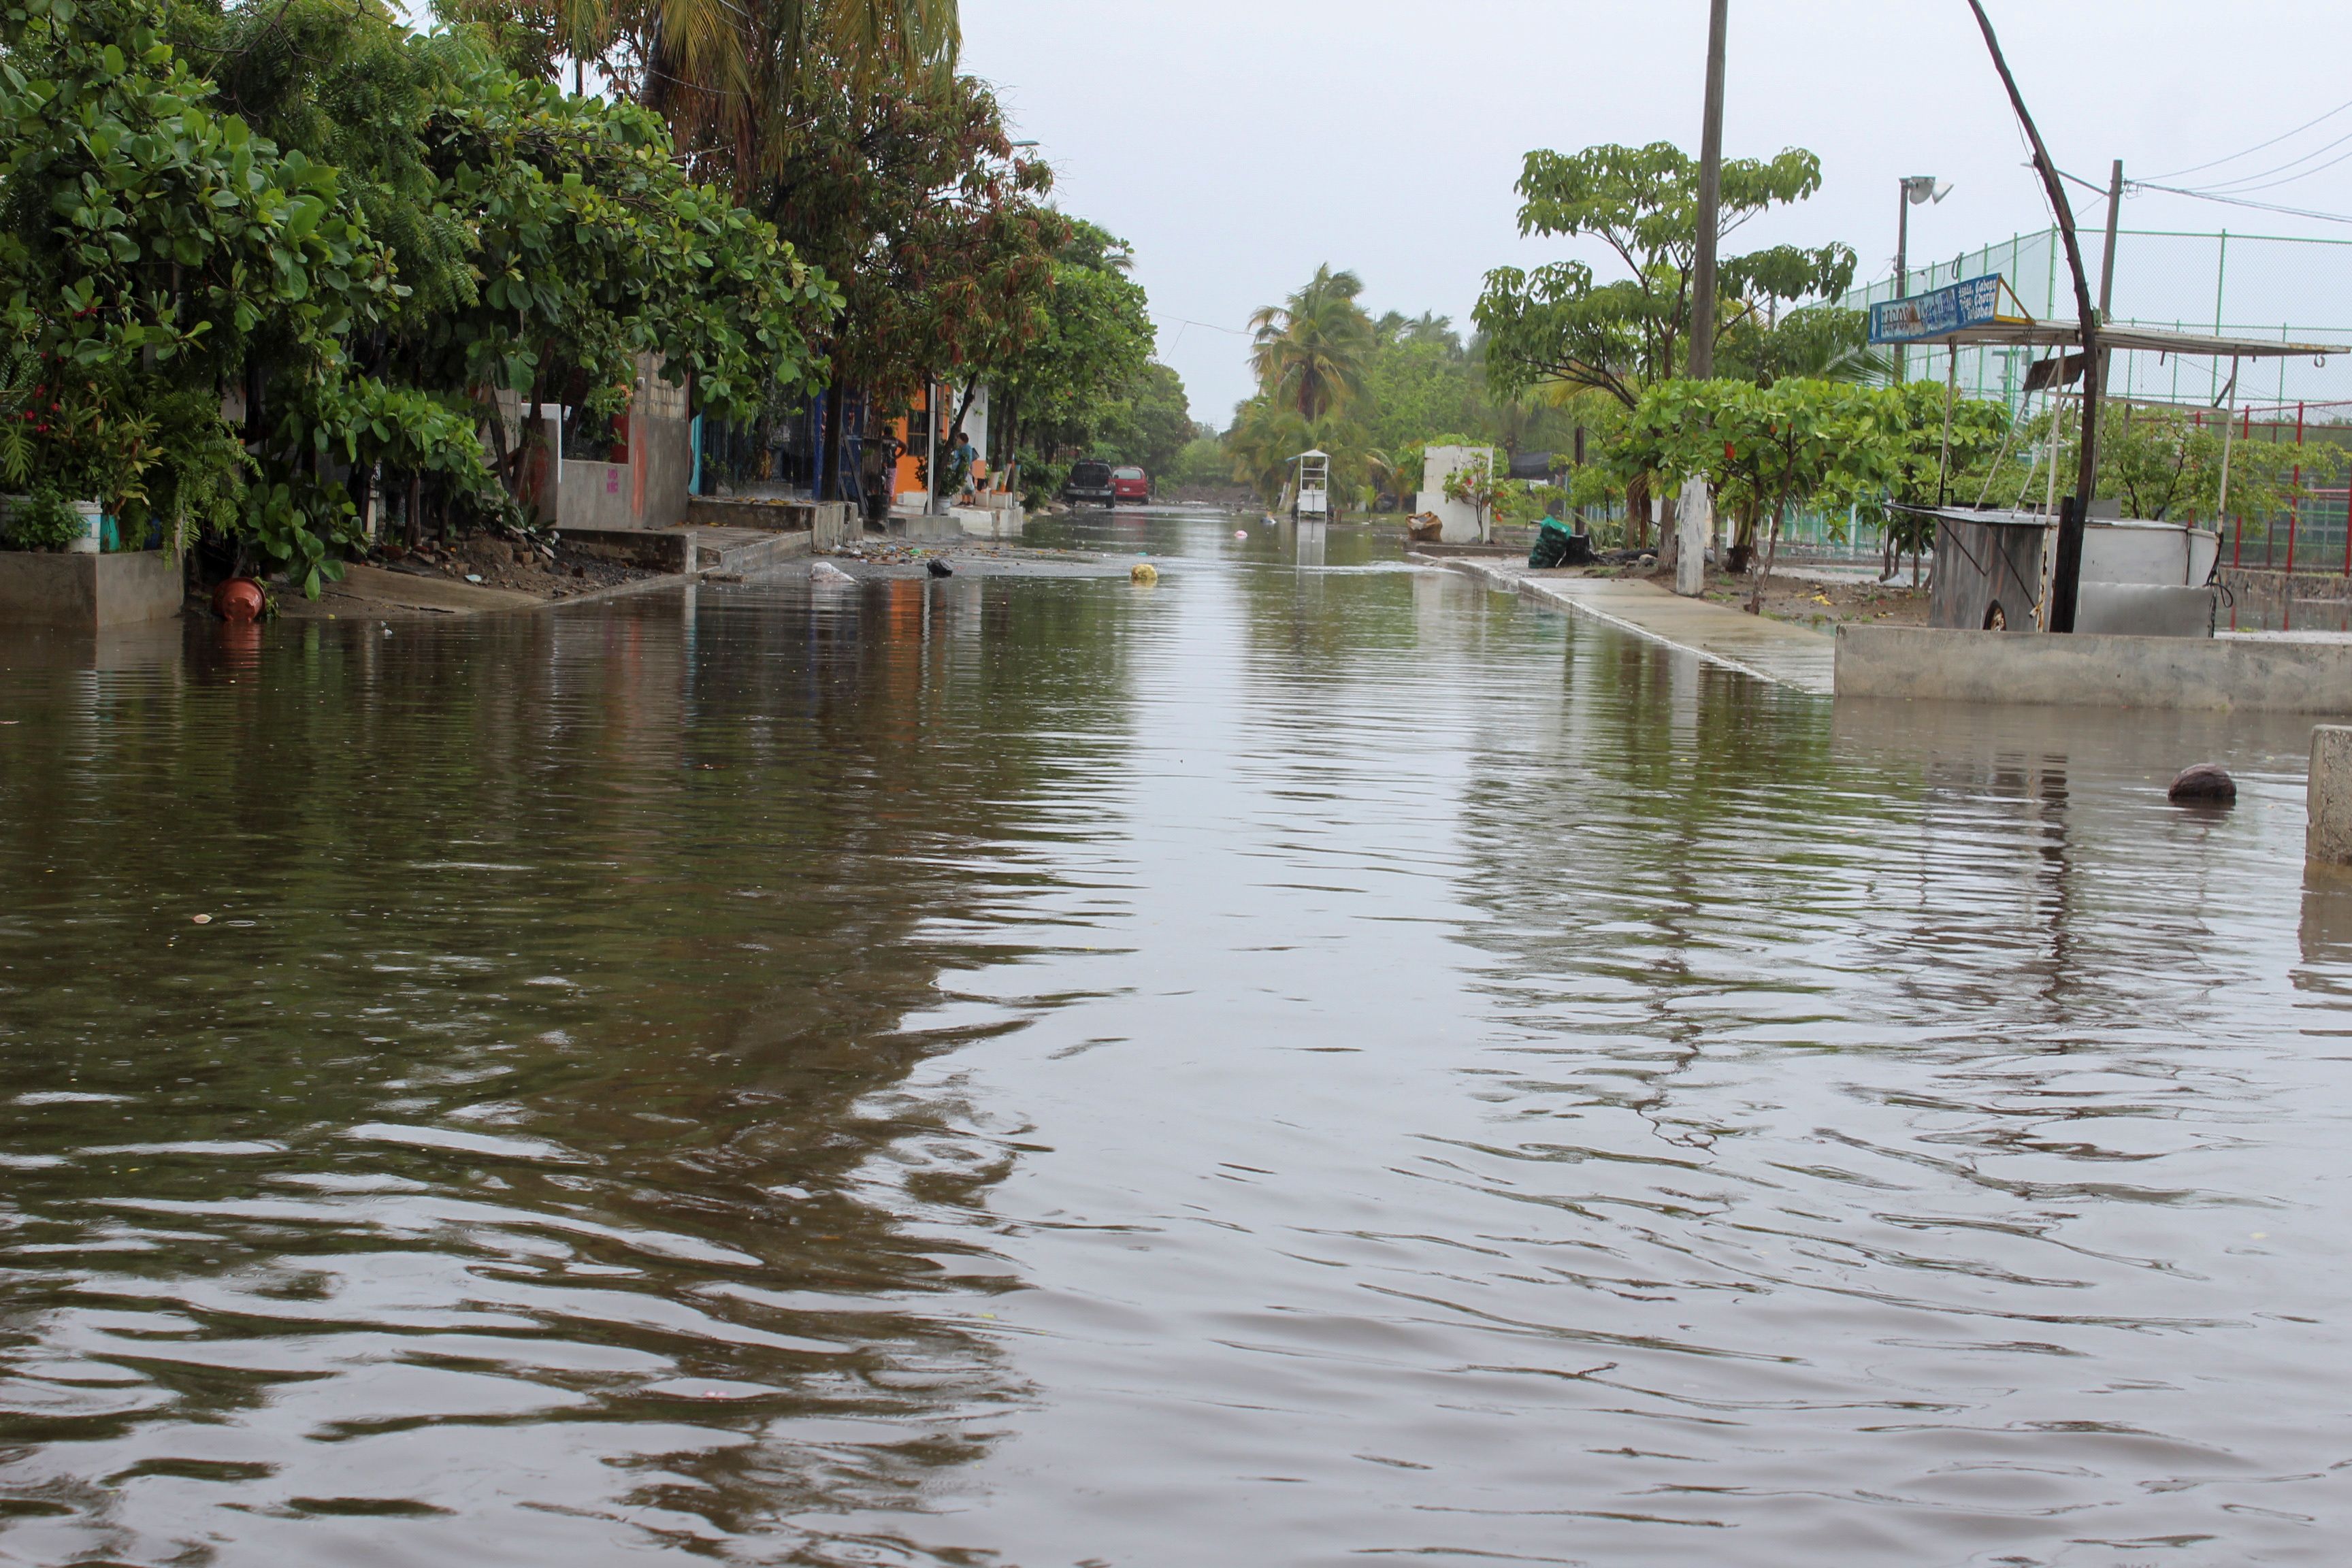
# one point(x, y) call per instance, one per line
point(2017, 335)
point(2008, 517)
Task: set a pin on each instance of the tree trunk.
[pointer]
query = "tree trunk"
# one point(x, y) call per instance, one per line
point(1771, 549)
point(1742, 553)
point(828, 445)
point(1637, 511)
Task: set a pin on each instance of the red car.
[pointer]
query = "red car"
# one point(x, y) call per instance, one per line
point(1129, 484)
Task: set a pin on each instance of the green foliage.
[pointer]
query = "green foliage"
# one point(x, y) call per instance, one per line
point(152, 240)
point(1149, 424)
point(1309, 351)
point(910, 195)
point(1761, 448)
point(1087, 377)
point(1822, 343)
point(1203, 462)
point(1559, 323)
point(1922, 471)
point(1417, 383)
point(2166, 463)
point(161, 252)
point(42, 520)
point(1266, 435)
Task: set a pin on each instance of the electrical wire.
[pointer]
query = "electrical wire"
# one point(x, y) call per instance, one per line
point(2241, 202)
point(2248, 182)
point(2200, 168)
point(2208, 196)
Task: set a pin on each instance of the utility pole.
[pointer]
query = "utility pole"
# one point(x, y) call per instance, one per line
point(2066, 576)
point(1694, 517)
point(1710, 199)
point(1902, 265)
point(2107, 263)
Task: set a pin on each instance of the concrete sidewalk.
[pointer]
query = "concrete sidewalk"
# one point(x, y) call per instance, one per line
point(1769, 650)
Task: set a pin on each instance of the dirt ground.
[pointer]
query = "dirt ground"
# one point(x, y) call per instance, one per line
point(1808, 601)
point(516, 567)
point(475, 575)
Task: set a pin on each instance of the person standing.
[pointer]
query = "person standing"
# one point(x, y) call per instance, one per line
point(960, 460)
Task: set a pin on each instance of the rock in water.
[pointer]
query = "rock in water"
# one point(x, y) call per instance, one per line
point(2207, 784)
point(939, 568)
point(826, 572)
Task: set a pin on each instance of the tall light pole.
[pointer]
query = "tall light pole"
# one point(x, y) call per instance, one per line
point(1916, 188)
point(1694, 516)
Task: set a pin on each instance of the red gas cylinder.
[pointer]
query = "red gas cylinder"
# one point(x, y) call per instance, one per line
point(238, 599)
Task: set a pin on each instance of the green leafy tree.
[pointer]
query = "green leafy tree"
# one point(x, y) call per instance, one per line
point(1560, 323)
point(1924, 464)
point(912, 198)
point(162, 253)
point(1820, 343)
point(1203, 462)
point(1149, 424)
point(1079, 373)
point(1417, 386)
point(153, 242)
point(2165, 463)
point(1763, 448)
point(1309, 351)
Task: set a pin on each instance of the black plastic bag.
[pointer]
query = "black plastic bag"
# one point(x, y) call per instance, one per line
point(1556, 546)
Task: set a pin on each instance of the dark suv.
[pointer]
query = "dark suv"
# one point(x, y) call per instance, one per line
point(1089, 485)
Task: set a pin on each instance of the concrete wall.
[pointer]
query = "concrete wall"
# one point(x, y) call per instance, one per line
point(596, 495)
point(649, 491)
point(2282, 599)
point(89, 592)
point(1458, 520)
point(2327, 830)
point(1921, 663)
point(661, 457)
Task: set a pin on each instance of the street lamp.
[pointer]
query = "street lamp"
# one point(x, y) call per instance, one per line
point(1916, 188)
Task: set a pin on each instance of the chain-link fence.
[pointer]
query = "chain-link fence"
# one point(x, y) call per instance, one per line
point(2228, 285)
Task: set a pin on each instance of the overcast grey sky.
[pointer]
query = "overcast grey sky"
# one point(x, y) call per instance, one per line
point(1239, 143)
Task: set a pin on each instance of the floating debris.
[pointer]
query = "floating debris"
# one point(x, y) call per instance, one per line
point(2206, 783)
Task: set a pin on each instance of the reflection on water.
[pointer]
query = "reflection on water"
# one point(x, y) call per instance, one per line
point(1309, 1060)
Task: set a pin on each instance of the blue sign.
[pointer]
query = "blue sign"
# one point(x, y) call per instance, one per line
point(1973, 302)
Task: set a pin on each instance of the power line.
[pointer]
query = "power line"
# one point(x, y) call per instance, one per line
point(2199, 168)
point(2240, 201)
point(2247, 181)
point(2209, 195)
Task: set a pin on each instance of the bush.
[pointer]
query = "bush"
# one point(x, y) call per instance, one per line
point(40, 522)
point(1204, 461)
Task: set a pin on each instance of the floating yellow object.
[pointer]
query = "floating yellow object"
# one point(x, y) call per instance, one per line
point(1143, 572)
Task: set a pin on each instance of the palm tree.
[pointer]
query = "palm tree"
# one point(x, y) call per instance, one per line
point(1309, 351)
point(726, 73)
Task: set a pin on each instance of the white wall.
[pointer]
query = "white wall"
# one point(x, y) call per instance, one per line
point(1458, 520)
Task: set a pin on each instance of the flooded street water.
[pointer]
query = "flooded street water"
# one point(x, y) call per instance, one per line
point(1293, 1066)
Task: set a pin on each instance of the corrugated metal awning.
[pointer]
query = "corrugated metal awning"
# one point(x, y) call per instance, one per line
point(2141, 340)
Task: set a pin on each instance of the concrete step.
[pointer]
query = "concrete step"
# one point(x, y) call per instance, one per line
point(741, 550)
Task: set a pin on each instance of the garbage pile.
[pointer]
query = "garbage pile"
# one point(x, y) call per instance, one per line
point(1557, 545)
